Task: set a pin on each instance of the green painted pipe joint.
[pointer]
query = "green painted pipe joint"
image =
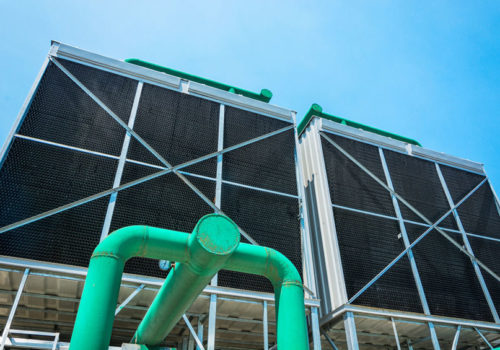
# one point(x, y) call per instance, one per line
point(213, 245)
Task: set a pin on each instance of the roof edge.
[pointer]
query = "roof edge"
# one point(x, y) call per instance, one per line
point(317, 110)
point(265, 95)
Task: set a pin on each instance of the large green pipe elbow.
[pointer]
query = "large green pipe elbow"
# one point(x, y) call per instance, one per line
point(213, 245)
point(94, 320)
point(288, 290)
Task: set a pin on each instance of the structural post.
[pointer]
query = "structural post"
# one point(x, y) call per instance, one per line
point(200, 334)
point(194, 337)
point(211, 322)
point(264, 325)
point(455, 338)
point(315, 329)
point(218, 176)
point(350, 331)
point(121, 163)
point(411, 258)
point(13, 309)
point(396, 337)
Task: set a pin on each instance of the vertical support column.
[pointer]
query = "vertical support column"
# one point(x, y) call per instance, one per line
point(185, 341)
point(455, 338)
point(121, 163)
point(411, 258)
point(218, 179)
point(327, 261)
point(307, 259)
point(212, 314)
point(315, 329)
point(395, 330)
point(467, 245)
point(6, 330)
point(200, 333)
point(264, 325)
point(350, 331)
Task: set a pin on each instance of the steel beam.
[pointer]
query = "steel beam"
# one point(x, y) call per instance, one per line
point(121, 163)
point(211, 322)
point(129, 298)
point(455, 338)
point(315, 329)
point(264, 325)
point(200, 333)
point(467, 245)
point(483, 337)
point(350, 331)
point(218, 176)
point(411, 258)
point(199, 344)
point(329, 340)
point(6, 329)
point(395, 330)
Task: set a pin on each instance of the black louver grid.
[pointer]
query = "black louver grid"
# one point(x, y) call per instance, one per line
point(181, 128)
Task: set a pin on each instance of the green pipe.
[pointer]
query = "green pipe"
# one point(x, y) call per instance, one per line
point(212, 242)
point(212, 246)
point(264, 96)
point(317, 111)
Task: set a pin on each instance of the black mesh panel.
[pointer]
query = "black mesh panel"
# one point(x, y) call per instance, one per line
point(367, 245)
point(417, 181)
point(448, 277)
point(36, 178)
point(271, 220)
point(164, 202)
point(487, 252)
point(268, 164)
point(349, 185)
point(178, 126)
point(64, 113)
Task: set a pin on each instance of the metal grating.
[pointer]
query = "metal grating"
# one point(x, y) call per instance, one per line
point(62, 112)
point(349, 185)
point(448, 277)
point(178, 126)
point(487, 252)
point(417, 181)
point(367, 244)
point(35, 178)
point(268, 163)
point(479, 213)
point(271, 220)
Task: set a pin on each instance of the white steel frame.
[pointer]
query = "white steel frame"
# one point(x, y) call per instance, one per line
point(314, 168)
point(143, 75)
point(141, 283)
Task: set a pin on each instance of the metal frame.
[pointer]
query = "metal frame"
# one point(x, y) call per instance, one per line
point(314, 166)
point(142, 75)
point(13, 310)
point(140, 283)
point(477, 270)
point(121, 163)
point(411, 258)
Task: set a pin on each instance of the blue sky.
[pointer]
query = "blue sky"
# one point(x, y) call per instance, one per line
point(426, 70)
